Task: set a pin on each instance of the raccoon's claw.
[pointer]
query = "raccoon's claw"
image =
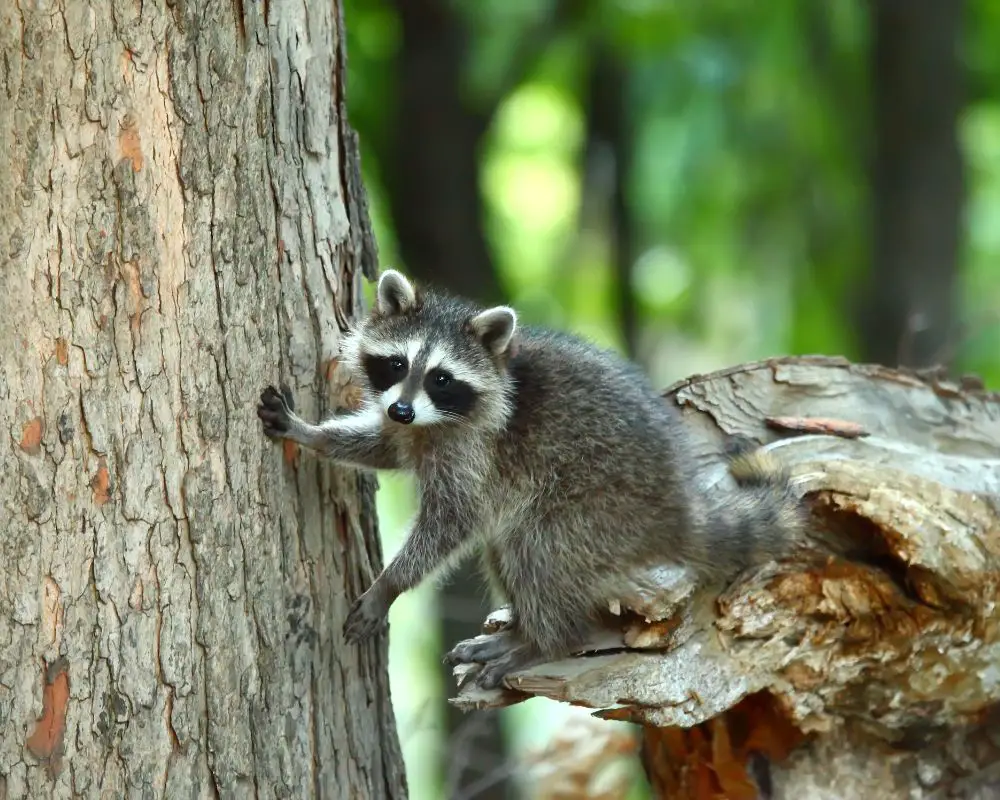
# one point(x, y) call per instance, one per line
point(467, 678)
point(480, 677)
point(364, 619)
point(274, 411)
point(491, 675)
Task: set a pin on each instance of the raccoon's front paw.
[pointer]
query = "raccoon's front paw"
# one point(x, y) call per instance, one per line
point(366, 617)
point(275, 411)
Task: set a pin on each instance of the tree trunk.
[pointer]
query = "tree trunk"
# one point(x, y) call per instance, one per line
point(908, 308)
point(182, 224)
point(431, 162)
point(607, 162)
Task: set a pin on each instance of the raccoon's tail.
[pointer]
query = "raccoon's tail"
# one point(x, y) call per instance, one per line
point(764, 517)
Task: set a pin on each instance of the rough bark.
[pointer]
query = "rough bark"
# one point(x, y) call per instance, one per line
point(866, 659)
point(181, 224)
point(918, 189)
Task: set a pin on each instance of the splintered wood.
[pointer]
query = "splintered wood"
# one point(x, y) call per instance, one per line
point(884, 623)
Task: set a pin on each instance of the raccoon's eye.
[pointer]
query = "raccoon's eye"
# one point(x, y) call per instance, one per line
point(384, 372)
point(442, 379)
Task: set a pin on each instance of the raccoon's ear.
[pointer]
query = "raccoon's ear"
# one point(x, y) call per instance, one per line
point(494, 328)
point(395, 293)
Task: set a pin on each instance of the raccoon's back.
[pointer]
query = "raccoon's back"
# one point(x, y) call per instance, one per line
point(605, 455)
point(587, 420)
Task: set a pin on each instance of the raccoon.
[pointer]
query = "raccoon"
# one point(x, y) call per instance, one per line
point(557, 459)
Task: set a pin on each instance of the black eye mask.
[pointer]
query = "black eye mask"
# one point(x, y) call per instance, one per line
point(384, 372)
point(448, 394)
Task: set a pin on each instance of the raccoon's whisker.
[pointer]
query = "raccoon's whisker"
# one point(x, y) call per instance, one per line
point(451, 416)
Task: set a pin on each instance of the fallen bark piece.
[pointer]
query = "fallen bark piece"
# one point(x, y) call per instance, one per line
point(831, 427)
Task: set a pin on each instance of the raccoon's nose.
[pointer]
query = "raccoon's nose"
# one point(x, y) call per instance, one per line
point(401, 412)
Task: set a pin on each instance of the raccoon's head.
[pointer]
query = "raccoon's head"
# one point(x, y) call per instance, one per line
point(430, 359)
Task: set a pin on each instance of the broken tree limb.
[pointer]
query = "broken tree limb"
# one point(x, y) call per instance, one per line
point(887, 643)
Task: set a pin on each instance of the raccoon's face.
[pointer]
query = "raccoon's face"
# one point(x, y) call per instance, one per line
point(431, 360)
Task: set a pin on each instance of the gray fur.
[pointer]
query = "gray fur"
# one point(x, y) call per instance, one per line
point(568, 472)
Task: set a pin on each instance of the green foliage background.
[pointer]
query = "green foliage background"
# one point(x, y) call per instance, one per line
point(749, 197)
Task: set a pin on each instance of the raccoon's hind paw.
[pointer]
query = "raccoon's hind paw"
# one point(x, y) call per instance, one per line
point(492, 675)
point(499, 654)
point(275, 410)
point(479, 650)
